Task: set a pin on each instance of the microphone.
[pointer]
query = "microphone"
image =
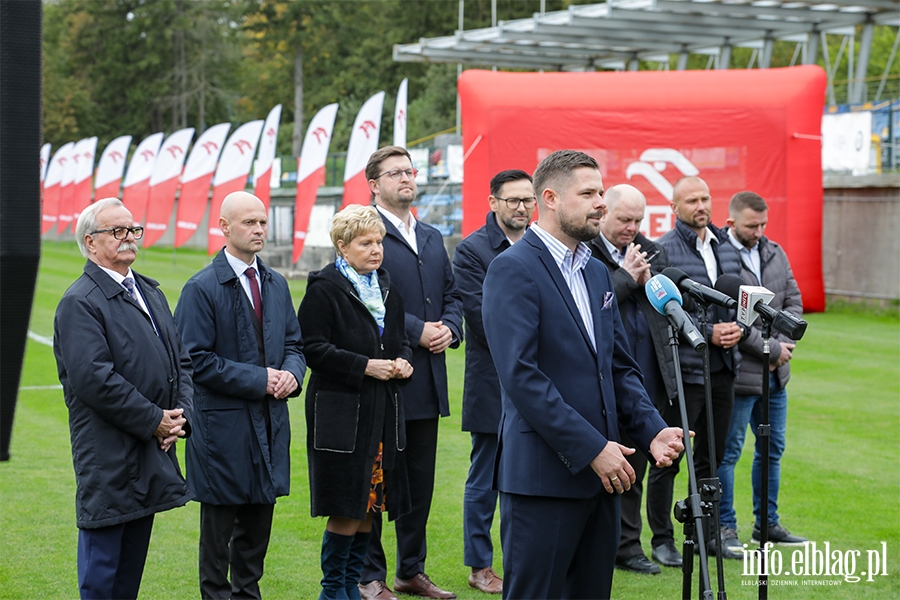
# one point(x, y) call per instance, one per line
point(666, 299)
point(699, 291)
point(753, 301)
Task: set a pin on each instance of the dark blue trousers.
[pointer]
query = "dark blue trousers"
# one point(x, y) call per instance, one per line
point(480, 503)
point(111, 559)
point(558, 547)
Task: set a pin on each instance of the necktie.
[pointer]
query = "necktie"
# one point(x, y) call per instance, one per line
point(128, 284)
point(254, 292)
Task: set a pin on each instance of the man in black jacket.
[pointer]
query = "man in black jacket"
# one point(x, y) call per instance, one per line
point(631, 259)
point(512, 202)
point(417, 261)
point(126, 379)
point(700, 249)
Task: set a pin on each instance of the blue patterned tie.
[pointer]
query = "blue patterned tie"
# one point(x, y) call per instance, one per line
point(128, 284)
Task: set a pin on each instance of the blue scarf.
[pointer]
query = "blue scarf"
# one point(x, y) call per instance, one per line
point(368, 289)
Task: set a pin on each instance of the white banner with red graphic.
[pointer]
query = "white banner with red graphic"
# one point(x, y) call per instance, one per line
point(231, 175)
point(81, 196)
point(53, 186)
point(67, 191)
point(266, 157)
point(136, 188)
point(400, 116)
point(363, 142)
point(111, 167)
point(198, 174)
point(45, 162)
point(163, 184)
point(311, 172)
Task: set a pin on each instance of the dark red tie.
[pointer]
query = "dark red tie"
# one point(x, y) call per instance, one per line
point(254, 292)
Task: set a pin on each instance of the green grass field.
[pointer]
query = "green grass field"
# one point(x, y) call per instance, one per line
point(840, 474)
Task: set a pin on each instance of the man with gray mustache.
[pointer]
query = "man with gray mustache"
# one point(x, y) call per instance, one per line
point(126, 379)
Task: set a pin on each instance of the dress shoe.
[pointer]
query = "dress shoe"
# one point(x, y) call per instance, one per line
point(376, 590)
point(486, 580)
point(638, 564)
point(667, 555)
point(730, 544)
point(421, 585)
point(779, 535)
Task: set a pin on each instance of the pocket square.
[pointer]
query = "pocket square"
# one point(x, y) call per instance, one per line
point(607, 300)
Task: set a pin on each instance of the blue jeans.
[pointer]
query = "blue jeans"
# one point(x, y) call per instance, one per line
point(748, 410)
point(480, 502)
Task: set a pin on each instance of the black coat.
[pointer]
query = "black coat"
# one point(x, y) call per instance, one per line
point(347, 412)
point(118, 375)
point(426, 284)
point(627, 288)
point(481, 394)
point(231, 459)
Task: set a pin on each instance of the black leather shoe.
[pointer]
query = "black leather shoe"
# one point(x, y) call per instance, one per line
point(667, 555)
point(638, 564)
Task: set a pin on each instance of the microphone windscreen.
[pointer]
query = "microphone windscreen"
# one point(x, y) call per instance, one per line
point(730, 285)
point(675, 274)
point(660, 291)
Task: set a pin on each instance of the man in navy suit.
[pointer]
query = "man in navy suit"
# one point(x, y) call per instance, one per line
point(415, 257)
point(568, 383)
point(512, 203)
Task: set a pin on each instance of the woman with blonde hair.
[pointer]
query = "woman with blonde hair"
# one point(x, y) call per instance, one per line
point(355, 345)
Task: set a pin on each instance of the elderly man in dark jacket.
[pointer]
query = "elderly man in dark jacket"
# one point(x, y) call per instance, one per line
point(512, 202)
point(238, 323)
point(632, 259)
point(698, 248)
point(764, 263)
point(126, 378)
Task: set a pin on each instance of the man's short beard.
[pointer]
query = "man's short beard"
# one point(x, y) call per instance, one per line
point(513, 225)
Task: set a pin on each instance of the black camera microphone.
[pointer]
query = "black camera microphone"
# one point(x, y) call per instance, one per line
point(754, 301)
point(699, 291)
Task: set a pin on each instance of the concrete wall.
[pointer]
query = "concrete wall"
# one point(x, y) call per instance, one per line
point(861, 236)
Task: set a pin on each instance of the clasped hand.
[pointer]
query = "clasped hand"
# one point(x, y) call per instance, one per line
point(436, 336)
point(280, 383)
point(384, 369)
point(170, 428)
point(615, 472)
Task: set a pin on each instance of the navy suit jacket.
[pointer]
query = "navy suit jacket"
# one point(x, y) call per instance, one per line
point(562, 400)
point(425, 282)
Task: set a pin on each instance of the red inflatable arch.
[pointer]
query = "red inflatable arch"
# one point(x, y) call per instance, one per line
point(738, 129)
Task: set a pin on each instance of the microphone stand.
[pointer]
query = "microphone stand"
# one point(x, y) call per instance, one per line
point(762, 434)
point(711, 488)
point(689, 511)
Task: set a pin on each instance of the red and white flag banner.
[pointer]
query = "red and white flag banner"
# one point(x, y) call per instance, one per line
point(400, 116)
point(45, 162)
point(266, 156)
point(53, 186)
point(136, 190)
point(363, 142)
point(311, 172)
point(67, 191)
point(231, 175)
point(82, 197)
point(198, 174)
point(111, 167)
point(164, 182)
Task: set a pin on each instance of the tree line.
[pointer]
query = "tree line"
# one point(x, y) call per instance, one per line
point(114, 67)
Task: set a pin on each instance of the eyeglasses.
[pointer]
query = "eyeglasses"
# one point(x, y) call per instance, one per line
point(396, 174)
point(513, 203)
point(121, 233)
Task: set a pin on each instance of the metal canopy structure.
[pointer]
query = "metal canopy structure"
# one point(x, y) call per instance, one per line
point(619, 33)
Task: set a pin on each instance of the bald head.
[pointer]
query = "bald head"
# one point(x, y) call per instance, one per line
point(625, 205)
point(239, 201)
point(245, 225)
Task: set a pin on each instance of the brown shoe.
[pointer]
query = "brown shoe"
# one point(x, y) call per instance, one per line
point(486, 580)
point(421, 585)
point(376, 590)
